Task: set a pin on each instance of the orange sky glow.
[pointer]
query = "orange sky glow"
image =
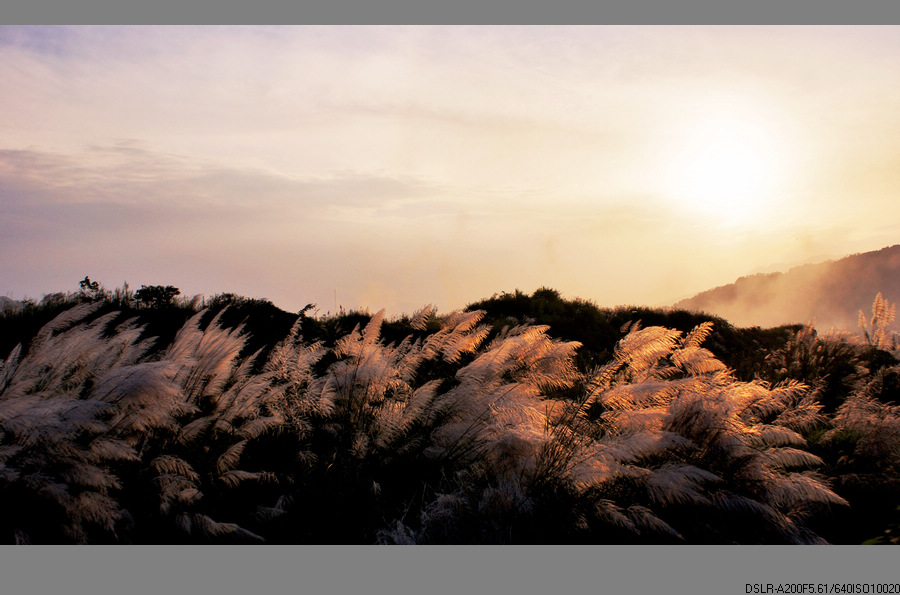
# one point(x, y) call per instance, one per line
point(371, 167)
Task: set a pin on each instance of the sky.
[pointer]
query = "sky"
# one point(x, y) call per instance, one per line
point(394, 167)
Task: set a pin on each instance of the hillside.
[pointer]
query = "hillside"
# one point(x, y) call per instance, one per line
point(129, 418)
point(830, 293)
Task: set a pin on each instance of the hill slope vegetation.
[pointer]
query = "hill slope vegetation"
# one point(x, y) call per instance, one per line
point(522, 419)
point(829, 293)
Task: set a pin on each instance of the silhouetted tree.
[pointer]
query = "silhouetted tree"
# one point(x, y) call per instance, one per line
point(156, 296)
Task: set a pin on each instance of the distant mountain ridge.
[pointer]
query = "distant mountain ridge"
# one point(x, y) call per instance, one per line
point(829, 293)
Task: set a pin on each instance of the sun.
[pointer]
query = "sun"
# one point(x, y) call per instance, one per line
point(725, 166)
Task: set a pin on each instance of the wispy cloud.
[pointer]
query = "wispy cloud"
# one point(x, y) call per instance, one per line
point(428, 163)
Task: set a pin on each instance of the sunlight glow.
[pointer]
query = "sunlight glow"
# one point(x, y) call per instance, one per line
point(727, 167)
point(400, 166)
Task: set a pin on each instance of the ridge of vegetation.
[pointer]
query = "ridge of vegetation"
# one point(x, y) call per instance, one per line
point(145, 417)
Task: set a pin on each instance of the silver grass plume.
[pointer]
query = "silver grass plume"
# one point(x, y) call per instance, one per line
point(681, 432)
point(56, 425)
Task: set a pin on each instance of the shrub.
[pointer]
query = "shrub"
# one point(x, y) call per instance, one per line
point(156, 296)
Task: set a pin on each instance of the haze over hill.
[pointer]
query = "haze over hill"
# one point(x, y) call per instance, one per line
point(829, 293)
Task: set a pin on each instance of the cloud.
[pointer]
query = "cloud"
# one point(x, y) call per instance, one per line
point(125, 193)
point(421, 164)
point(127, 174)
point(122, 209)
